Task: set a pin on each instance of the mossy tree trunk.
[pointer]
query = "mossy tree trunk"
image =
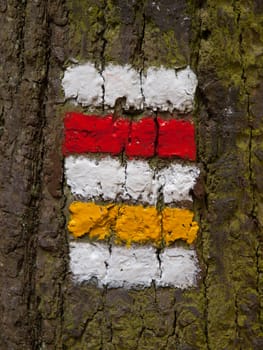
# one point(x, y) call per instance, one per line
point(41, 308)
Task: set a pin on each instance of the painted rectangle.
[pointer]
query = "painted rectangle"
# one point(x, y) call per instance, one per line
point(106, 178)
point(132, 223)
point(122, 82)
point(169, 89)
point(141, 142)
point(179, 268)
point(92, 219)
point(83, 84)
point(138, 224)
point(134, 267)
point(157, 88)
point(178, 224)
point(176, 138)
point(90, 133)
point(132, 220)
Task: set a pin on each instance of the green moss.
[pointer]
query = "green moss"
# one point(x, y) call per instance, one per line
point(97, 33)
point(231, 43)
point(86, 20)
point(112, 32)
point(160, 48)
point(190, 318)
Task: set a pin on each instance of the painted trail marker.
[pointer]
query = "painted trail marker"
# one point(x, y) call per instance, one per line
point(160, 88)
point(84, 134)
point(127, 214)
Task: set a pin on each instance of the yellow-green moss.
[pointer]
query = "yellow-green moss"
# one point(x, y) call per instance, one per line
point(231, 41)
point(160, 48)
point(86, 20)
point(97, 33)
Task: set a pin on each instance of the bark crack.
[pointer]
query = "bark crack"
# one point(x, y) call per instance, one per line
point(141, 51)
point(22, 5)
point(195, 58)
point(102, 53)
point(253, 210)
point(32, 213)
point(259, 272)
point(140, 335)
point(173, 334)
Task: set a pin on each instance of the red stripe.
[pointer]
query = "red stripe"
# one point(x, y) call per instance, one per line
point(142, 138)
point(176, 138)
point(91, 133)
point(94, 134)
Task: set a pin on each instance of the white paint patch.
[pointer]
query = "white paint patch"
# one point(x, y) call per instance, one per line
point(122, 81)
point(161, 88)
point(107, 179)
point(92, 178)
point(180, 265)
point(130, 267)
point(177, 181)
point(133, 267)
point(83, 83)
point(88, 261)
point(141, 184)
point(168, 89)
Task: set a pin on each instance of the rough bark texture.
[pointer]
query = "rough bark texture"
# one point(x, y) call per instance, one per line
point(41, 308)
point(33, 239)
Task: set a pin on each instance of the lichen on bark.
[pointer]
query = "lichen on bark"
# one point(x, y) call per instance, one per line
point(228, 66)
point(41, 307)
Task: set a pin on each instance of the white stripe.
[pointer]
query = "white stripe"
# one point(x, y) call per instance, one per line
point(133, 267)
point(130, 267)
point(179, 267)
point(84, 84)
point(91, 178)
point(107, 179)
point(159, 88)
point(177, 181)
point(122, 81)
point(141, 184)
point(168, 89)
point(88, 261)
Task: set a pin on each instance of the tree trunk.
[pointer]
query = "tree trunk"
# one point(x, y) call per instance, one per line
point(42, 307)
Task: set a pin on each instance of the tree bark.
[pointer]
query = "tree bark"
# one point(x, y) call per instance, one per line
point(41, 306)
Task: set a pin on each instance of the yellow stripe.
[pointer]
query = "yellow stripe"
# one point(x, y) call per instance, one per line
point(95, 220)
point(130, 224)
point(138, 224)
point(178, 224)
